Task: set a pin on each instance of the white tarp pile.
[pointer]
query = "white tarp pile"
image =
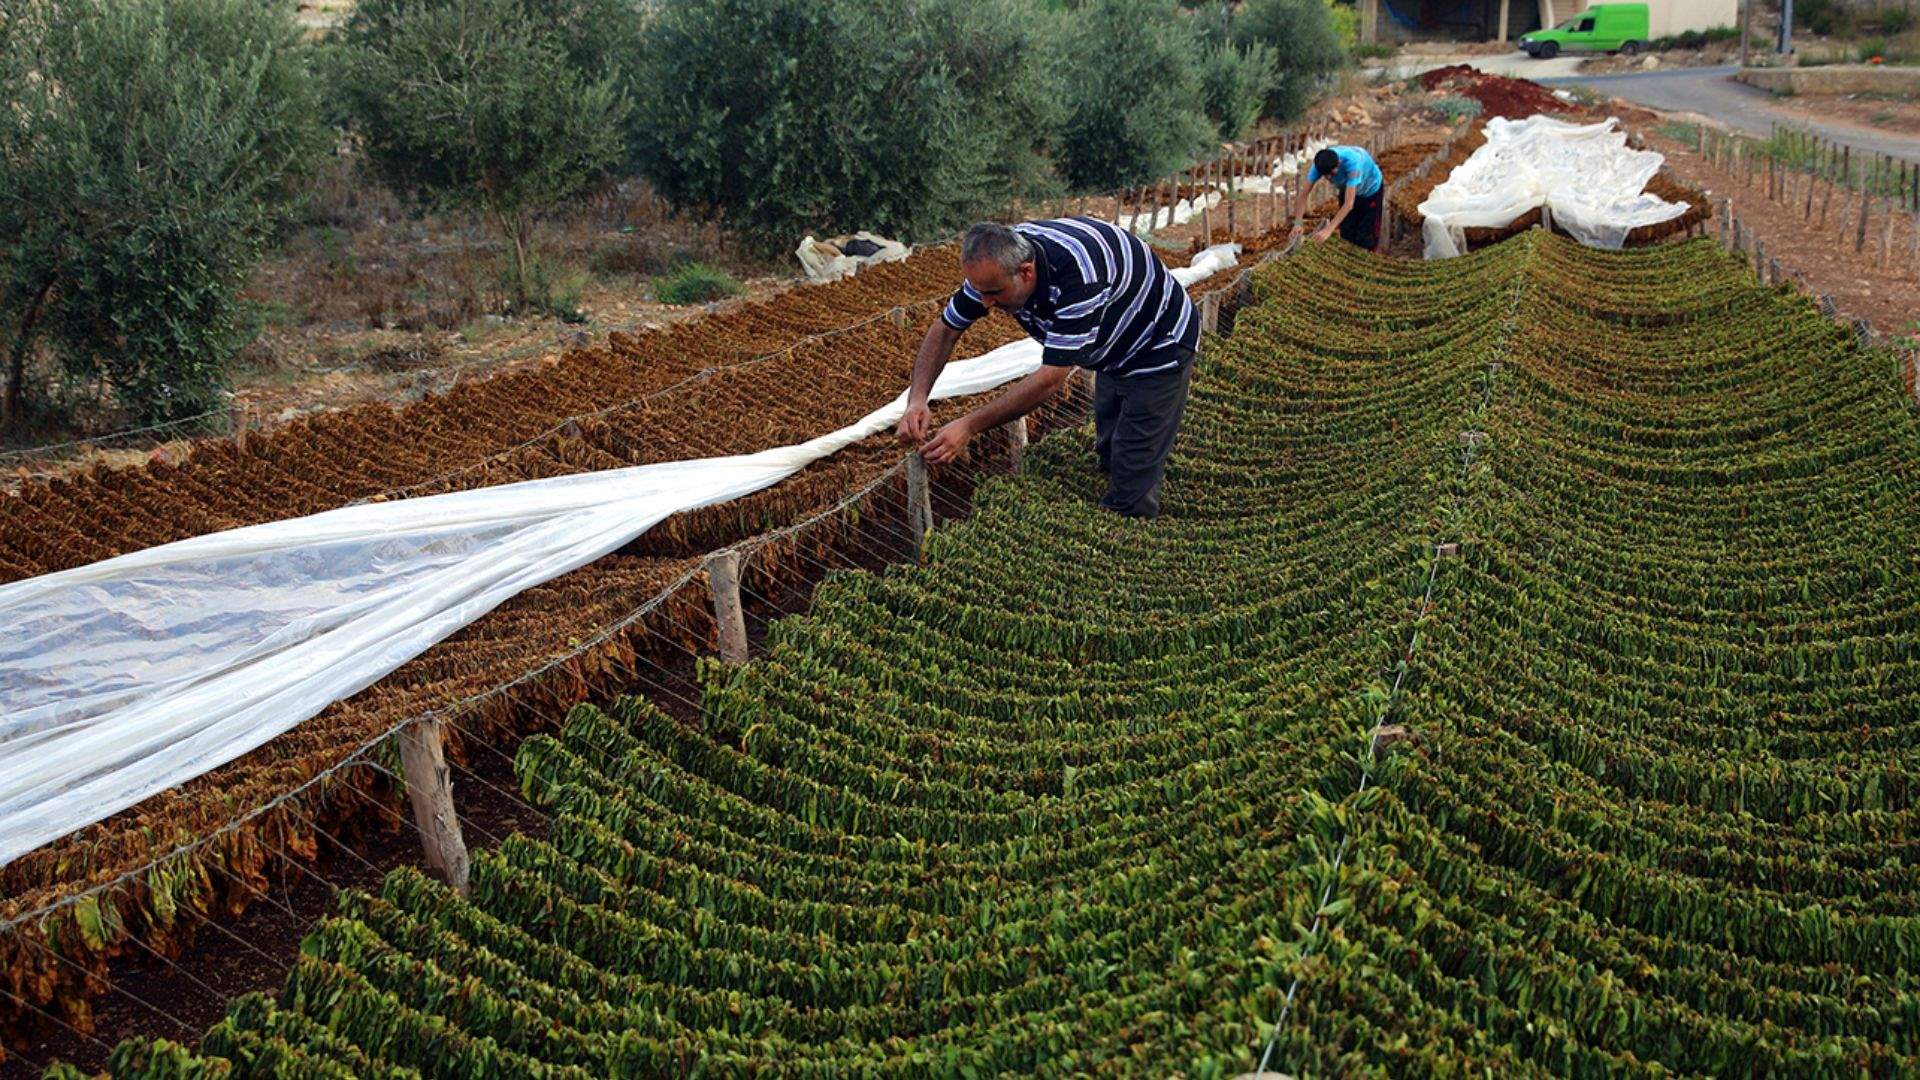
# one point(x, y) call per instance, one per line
point(841, 256)
point(1186, 210)
point(1588, 180)
point(133, 675)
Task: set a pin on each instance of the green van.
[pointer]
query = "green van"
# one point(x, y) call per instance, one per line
point(1600, 28)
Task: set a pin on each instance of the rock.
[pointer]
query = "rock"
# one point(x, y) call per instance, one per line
point(1649, 63)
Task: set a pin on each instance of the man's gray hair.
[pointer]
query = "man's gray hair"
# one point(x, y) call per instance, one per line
point(988, 240)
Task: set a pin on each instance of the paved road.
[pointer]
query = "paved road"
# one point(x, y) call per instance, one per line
point(1712, 92)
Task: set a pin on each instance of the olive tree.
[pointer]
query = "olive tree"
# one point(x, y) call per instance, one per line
point(148, 151)
point(478, 104)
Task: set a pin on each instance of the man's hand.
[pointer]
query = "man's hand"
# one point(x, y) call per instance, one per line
point(1320, 235)
point(1298, 229)
point(949, 443)
point(913, 425)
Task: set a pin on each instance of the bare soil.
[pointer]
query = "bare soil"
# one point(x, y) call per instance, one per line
point(1864, 284)
point(1881, 112)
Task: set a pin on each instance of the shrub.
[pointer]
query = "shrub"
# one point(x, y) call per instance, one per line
point(148, 151)
point(1892, 20)
point(1233, 83)
point(784, 117)
point(1454, 108)
point(696, 283)
point(1132, 91)
point(1826, 17)
point(1345, 17)
point(1309, 42)
point(1374, 51)
point(475, 104)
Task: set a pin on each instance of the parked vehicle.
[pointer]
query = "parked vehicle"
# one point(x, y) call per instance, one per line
point(1600, 28)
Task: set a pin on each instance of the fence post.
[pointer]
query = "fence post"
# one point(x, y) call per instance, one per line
point(1016, 429)
point(729, 616)
point(240, 419)
point(423, 761)
point(1210, 313)
point(1860, 227)
point(919, 503)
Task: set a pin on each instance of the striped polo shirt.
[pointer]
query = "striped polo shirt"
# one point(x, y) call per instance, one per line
point(1100, 300)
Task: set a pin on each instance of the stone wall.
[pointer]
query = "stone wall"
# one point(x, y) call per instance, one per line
point(1835, 79)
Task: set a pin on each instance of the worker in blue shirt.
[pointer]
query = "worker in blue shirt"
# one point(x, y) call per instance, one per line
point(1357, 188)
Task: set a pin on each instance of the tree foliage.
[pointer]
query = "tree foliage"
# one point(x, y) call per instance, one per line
point(1234, 83)
point(1304, 34)
point(478, 104)
point(1131, 84)
point(790, 116)
point(148, 150)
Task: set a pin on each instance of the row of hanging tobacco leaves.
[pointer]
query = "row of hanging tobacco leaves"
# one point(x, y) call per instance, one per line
point(1068, 798)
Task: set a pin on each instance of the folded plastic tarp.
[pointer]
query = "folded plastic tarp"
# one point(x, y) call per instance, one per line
point(132, 675)
point(1589, 181)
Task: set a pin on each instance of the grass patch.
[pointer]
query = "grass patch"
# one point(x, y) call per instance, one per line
point(696, 283)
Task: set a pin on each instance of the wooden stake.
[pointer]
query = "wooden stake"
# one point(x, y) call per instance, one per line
point(1886, 236)
point(240, 426)
point(1016, 429)
point(1206, 208)
point(919, 503)
point(423, 761)
point(729, 617)
point(1860, 232)
point(1210, 313)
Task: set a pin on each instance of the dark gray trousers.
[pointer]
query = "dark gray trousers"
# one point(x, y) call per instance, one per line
point(1134, 422)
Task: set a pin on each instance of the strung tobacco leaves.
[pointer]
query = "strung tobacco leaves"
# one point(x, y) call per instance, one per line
point(1082, 795)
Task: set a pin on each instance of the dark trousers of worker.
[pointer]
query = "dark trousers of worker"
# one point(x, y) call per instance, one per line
point(1134, 421)
point(1362, 225)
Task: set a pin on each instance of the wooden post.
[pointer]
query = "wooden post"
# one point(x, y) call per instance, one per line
point(898, 316)
point(1502, 35)
point(1886, 235)
point(430, 789)
point(1233, 211)
point(1016, 429)
point(729, 616)
point(919, 503)
point(1210, 313)
point(1860, 230)
point(1206, 204)
point(1826, 202)
point(240, 426)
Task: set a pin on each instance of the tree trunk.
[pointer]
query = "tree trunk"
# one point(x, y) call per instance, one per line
point(14, 411)
point(515, 227)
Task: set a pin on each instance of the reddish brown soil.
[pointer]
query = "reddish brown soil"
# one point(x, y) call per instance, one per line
point(1497, 94)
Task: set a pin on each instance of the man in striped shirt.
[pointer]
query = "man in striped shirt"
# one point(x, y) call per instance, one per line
point(1094, 297)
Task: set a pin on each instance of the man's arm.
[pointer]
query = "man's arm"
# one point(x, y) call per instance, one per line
point(935, 350)
point(950, 442)
point(1340, 215)
point(1300, 205)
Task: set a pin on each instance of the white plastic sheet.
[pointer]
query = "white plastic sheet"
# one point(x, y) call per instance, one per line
point(133, 675)
point(1590, 182)
point(823, 260)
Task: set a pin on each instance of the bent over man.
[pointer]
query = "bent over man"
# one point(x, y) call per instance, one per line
point(1094, 297)
point(1356, 188)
